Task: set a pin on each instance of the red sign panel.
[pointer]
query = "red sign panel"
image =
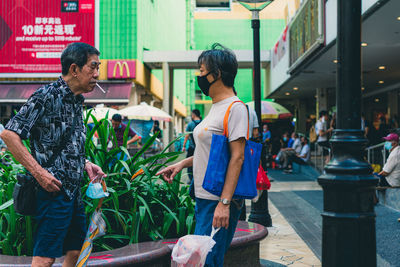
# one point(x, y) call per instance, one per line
point(33, 33)
point(121, 69)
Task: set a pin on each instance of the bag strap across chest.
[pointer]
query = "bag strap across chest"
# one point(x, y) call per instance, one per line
point(226, 117)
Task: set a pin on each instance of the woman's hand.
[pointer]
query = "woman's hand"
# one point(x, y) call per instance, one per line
point(221, 216)
point(170, 172)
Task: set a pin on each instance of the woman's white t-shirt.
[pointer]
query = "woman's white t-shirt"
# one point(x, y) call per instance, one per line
point(213, 124)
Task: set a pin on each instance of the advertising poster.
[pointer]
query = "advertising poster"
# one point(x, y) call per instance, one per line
point(33, 33)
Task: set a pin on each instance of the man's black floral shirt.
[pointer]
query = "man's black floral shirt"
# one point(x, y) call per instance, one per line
point(44, 119)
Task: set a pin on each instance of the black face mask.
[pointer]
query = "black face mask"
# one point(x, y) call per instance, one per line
point(204, 84)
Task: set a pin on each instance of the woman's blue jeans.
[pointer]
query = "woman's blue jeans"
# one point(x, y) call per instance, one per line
point(223, 238)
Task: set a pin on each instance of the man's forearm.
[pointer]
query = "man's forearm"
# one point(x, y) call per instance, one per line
point(133, 139)
point(20, 152)
point(185, 141)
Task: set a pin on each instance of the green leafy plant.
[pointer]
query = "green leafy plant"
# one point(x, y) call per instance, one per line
point(140, 209)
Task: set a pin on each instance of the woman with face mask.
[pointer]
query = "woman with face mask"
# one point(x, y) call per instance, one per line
point(218, 68)
point(390, 174)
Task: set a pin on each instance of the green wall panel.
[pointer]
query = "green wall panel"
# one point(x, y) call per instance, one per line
point(236, 34)
point(118, 28)
point(162, 26)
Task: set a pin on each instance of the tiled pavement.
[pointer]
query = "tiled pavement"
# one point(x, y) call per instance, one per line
point(284, 246)
point(295, 238)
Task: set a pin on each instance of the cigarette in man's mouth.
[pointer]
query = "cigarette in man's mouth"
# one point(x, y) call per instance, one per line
point(100, 88)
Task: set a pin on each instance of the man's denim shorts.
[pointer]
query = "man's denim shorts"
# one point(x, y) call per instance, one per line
point(61, 224)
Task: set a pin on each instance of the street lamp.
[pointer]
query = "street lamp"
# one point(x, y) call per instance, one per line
point(348, 219)
point(259, 210)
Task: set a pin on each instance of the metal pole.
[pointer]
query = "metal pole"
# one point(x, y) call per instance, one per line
point(255, 24)
point(348, 226)
point(259, 210)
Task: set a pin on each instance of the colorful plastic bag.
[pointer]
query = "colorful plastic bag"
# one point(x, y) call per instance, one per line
point(263, 183)
point(192, 250)
point(214, 178)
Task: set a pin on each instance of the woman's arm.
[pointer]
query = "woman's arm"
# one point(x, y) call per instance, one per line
point(170, 172)
point(221, 214)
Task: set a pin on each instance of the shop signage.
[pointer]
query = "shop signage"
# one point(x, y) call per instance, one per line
point(33, 34)
point(280, 48)
point(306, 31)
point(121, 69)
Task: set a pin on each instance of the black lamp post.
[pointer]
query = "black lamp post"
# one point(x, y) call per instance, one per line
point(348, 230)
point(259, 210)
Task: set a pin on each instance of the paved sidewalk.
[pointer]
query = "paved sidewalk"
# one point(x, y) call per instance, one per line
point(284, 246)
point(298, 205)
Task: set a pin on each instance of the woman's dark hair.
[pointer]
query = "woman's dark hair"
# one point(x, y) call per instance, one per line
point(77, 53)
point(220, 60)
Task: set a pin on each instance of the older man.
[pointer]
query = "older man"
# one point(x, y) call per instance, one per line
point(46, 119)
point(390, 175)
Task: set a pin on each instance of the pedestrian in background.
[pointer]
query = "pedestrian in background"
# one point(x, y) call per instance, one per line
point(54, 109)
point(321, 128)
point(390, 174)
point(119, 129)
point(1, 130)
point(196, 119)
point(266, 135)
point(253, 135)
point(218, 69)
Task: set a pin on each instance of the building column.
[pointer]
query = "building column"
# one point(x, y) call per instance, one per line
point(301, 116)
point(393, 103)
point(322, 100)
point(136, 93)
point(168, 101)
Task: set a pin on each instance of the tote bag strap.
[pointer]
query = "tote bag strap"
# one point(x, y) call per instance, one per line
point(226, 117)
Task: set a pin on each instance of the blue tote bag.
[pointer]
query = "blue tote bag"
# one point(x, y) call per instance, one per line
point(218, 161)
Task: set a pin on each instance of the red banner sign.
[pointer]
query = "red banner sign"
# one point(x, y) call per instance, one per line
point(121, 69)
point(33, 33)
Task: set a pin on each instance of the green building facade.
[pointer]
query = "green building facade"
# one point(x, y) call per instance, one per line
point(129, 27)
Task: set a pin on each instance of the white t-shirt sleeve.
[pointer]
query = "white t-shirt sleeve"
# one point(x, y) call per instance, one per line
point(297, 145)
point(390, 163)
point(238, 122)
point(255, 119)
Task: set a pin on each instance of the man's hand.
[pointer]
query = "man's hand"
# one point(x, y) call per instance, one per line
point(93, 170)
point(48, 181)
point(383, 173)
point(184, 148)
point(170, 172)
point(221, 216)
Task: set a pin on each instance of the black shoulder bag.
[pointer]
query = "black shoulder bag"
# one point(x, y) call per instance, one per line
point(25, 189)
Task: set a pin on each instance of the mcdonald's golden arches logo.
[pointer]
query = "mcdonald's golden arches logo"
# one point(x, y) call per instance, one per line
point(121, 69)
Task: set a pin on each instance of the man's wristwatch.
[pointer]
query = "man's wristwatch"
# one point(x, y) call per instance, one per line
point(225, 201)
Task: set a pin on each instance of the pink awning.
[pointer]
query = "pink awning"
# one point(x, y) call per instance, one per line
point(116, 93)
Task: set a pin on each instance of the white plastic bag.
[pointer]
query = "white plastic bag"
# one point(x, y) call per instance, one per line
point(192, 250)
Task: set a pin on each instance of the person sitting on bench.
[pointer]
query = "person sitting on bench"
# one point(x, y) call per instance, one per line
point(390, 174)
point(287, 152)
point(301, 158)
